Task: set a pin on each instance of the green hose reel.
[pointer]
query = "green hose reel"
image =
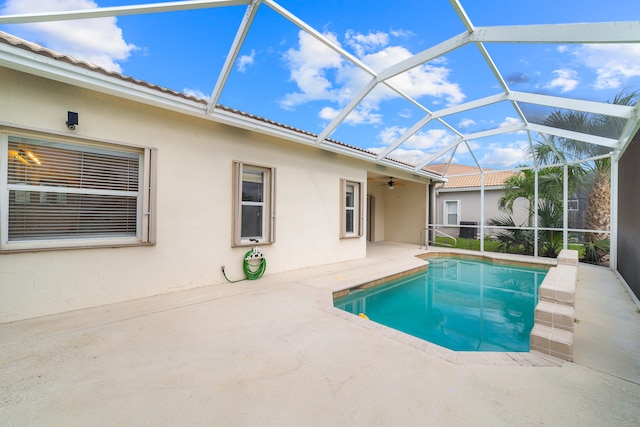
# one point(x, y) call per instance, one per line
point(254, 265)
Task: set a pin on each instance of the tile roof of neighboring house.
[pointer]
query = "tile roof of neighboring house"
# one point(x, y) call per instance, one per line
point(14, 41)
point(471, 176)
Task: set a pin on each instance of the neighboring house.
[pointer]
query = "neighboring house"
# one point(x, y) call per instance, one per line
point(141, 193)
point(577, 209)
point(458, 201)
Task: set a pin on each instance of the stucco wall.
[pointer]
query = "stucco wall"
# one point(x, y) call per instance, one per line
point(379, 194)
point(470, 208)
point(405, 212)
point(629, 216)
point(194, 212)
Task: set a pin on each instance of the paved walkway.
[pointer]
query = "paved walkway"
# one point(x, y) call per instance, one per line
point(272, 353)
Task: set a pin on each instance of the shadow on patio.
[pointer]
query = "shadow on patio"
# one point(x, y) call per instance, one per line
point(270, 352)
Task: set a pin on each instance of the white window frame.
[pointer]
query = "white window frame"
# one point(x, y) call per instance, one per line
point(356, 209)
point(573, 205)
point(445, 213)
point(145, 196)
point(268, 205)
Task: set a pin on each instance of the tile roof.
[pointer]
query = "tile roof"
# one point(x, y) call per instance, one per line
point(8, 39)
point(468, 176)
point(11, 40)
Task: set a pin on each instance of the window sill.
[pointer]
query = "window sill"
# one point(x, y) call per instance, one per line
point(32, 248)
point(347, 237)
point(250, 244)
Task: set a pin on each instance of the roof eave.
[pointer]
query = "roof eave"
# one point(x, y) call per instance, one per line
point(471, 188)
point(34, 63)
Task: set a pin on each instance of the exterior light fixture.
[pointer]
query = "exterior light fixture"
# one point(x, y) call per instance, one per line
point(72, 120)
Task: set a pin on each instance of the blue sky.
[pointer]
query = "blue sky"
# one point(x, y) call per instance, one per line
point(287, 76)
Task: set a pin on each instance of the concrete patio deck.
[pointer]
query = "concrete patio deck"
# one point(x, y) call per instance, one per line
point(273, 353)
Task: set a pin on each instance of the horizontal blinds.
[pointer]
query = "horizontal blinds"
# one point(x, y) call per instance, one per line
point(59, 191)
point(56, 165)
point(42, 215)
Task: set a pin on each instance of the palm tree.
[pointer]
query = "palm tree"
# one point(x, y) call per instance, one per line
point(516, 240)
point(513, 239)
point(549, 216)
point(595, 174)
point(522, 185)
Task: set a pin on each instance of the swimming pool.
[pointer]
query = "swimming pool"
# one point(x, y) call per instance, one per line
point(460, 304)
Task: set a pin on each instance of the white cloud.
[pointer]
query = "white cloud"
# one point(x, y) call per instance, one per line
point(366, 42)
point(246, 60)
point(413, 154)
point(423, 145)
point(424, 80)
point(309, 66)
point(412, 157)
point(504, 156)
point(391, 134)
point(510, 121)
point(465, 123)
point(356, 117)
point(566, 80)
point(195, 93)
point(462, 147)
point(323, 75)
point(417, 148)
point(405, 113)
point(402, 33)
point(441, 60)
point(613, 64)
point(431, 139)
point(328, 113)
point(97, 41)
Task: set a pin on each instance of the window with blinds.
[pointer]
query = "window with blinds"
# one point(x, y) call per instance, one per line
point(451, 212)
point(59, 192)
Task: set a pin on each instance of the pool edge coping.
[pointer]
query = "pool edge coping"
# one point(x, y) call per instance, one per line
point(531, 358)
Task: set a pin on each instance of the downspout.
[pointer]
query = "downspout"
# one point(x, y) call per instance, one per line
point(436, 220)
point(427, 215)
point(432, 212)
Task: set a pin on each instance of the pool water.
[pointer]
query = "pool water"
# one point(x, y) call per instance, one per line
point(460, 304)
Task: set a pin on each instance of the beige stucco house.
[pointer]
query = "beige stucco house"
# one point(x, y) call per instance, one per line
point(113, 189)
point(458, 203)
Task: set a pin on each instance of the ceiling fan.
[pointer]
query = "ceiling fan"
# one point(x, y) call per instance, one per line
point(391, 184)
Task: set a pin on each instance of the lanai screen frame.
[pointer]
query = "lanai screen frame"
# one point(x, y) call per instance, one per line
point(612, 232)
point(582, 33)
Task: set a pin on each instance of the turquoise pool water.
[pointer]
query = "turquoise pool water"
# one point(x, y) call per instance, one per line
point(460, 304)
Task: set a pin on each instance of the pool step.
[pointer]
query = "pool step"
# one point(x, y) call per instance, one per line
point(568, 257)
point(559, 285)
point(553, 341)
point(555, 315)
point(552, 332)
